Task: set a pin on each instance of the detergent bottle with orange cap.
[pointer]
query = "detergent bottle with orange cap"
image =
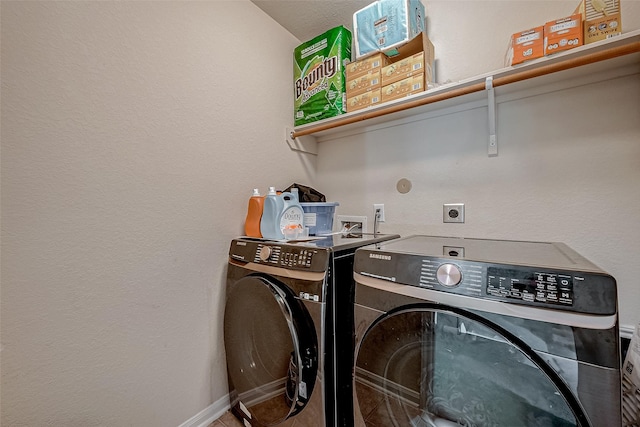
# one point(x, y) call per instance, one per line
point(254, 215)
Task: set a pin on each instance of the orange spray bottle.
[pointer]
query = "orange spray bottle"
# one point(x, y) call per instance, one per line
point(254, 214)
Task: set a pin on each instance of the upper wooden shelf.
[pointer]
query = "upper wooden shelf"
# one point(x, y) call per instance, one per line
point(620, 51)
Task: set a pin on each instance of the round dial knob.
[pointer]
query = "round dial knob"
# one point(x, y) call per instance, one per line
point(265, 253)
point(449, 275)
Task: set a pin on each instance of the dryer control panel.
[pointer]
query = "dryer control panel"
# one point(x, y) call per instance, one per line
point(530, 285)
point(560, 289)
point(522, 284)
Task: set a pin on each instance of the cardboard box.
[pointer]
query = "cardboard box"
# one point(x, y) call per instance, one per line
point(417, 46)
point(405, 87)
point(319, 77)
point(386, 24)
point(366, 65)
point(601, 19)
point(525, 46)
point(563, 34)
point(403, 68)
point(364, 83)
point(363, 100)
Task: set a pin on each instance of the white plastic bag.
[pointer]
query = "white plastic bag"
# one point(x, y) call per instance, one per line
point(631, 383)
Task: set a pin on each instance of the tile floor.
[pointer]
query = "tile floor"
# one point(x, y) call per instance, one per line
point(227, 420)
point(371, 405)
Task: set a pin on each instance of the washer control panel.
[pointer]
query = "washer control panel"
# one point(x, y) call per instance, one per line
point(292, 257)
point(287, 256)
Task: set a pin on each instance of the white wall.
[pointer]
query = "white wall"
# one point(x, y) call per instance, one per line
point(132, 135)
point(568, 166)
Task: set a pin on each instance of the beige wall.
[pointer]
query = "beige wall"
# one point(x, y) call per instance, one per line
point(132, 135)
point(569, 160)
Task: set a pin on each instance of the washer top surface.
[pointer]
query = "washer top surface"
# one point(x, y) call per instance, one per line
point(542, 254)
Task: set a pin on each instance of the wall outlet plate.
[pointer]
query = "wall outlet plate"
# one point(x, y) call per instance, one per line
point(376, 207)
point(453, 212)
point(350, 221)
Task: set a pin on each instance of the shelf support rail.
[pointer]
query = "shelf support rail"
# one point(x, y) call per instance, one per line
point(304, 144)
point(492, 149)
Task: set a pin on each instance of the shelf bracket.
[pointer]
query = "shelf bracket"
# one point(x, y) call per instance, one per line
point(305, 144)
point(492, 149)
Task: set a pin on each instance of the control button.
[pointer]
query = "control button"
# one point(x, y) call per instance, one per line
point(449, 275)
point(265, 253)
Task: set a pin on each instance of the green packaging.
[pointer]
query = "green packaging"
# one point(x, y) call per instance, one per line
point(318, 76)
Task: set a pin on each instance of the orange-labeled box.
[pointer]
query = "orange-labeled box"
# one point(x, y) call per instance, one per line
point(526, 45)
point(363, 100)
point(563, 34)
point(364, 83)
point(401, 88)
point(601, 19)
point(367, 65)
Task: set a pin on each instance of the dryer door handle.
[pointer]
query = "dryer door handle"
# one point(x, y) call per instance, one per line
point(293, 376)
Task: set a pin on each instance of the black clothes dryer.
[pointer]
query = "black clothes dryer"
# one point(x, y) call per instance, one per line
point(474, 332)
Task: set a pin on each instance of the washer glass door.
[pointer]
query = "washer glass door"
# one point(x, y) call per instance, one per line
point(429, 366)
point(271, 348)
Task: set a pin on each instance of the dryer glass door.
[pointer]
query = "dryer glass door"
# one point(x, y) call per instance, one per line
point(271, 349)
point(426, 366)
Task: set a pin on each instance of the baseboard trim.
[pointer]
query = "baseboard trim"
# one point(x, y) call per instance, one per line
point(626, 331)
point(208, 414)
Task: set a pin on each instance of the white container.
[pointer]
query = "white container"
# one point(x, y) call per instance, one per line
point(292, 218)
point(282, 216)
point(385, 25)
point(270, 221)
point(318, 217)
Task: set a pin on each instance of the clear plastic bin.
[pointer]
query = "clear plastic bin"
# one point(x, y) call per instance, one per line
point(318, 217)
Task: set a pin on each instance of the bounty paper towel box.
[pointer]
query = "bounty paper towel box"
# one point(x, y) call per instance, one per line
point(386, 24)
point(319, 77)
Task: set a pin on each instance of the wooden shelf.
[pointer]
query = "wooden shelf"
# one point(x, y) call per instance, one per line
point(619, 52)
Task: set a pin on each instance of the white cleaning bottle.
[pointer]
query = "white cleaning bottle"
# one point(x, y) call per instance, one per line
point(291, 219)
point(271, 213)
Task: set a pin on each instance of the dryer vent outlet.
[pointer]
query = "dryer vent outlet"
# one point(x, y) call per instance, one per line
point(357, 224)
point(453, 212)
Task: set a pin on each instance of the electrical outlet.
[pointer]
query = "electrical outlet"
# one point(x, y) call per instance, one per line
point(453, 212)
point(380, 206)
point(357, 224)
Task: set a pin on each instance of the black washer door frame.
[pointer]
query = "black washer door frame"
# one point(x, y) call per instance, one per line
point(430, 308)
point(271, 346)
